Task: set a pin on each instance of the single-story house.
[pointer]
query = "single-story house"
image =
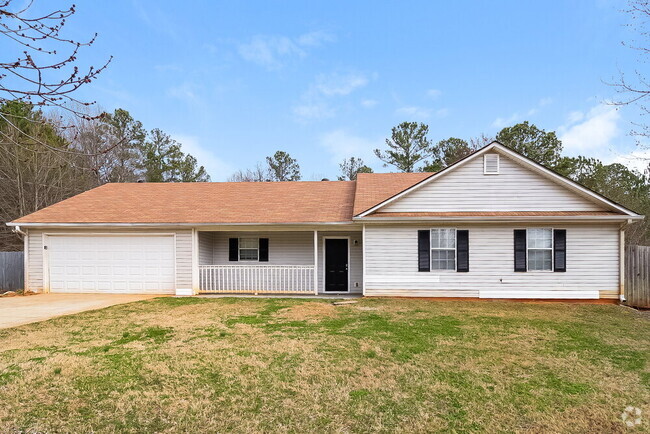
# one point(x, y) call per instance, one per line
point(493, 225)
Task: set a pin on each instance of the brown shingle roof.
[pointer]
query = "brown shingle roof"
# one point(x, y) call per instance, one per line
point(374, 188)
point(248, 202)
point(216, 202)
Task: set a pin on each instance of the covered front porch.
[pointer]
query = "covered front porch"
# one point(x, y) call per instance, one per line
point(263, 261)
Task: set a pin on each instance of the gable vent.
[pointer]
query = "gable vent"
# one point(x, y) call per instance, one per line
point(491, 164)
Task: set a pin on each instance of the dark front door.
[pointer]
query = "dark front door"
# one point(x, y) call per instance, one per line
point(336, 265)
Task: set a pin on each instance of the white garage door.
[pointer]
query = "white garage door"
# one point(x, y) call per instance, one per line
point(117, 264)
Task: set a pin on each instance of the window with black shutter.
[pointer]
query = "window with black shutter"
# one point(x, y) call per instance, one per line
point(233, 249)
point(264, 250)
point(424, 252)
point(462, 251)
point(520, 250)
point(540, 249)
point(559, 250)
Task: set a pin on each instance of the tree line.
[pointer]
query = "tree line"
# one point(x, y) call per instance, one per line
point(45, 159)
point(409, 149)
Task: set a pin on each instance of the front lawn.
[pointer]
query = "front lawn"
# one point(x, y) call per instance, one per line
point(205, 365)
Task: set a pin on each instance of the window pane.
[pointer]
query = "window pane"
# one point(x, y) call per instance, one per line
point(443, 238)
point(540, 238)
point(248, 254)
point(435, 238)
point(443, 259)
point(539, 260)
point(248, 243)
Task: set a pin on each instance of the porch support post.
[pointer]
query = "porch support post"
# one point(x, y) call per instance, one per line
point(315, 262)
point(363, 259)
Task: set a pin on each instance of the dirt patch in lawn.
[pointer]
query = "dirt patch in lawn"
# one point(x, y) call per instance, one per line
point(308, 312)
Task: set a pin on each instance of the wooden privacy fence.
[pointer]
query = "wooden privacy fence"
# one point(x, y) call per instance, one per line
point(637, 276)
point(12, 271)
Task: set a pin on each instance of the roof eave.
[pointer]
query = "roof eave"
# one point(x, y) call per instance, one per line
point(370, 219)
point(168, 224)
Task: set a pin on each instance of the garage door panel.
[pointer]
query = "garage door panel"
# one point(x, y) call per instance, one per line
point(119, 264)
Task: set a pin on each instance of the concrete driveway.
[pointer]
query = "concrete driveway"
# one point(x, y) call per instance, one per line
point(15, 311)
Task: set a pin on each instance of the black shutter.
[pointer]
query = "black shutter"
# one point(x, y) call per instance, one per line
point(233, 249)
point(264, 250)
point(424, 251)
point(462, 251)
point(559, 250)
point(520, 249)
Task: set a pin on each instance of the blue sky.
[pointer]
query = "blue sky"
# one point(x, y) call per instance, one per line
point(235, 81)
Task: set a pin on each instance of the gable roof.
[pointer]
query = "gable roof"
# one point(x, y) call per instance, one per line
point(374, 188)
point(276, 202)
point(205, 202)
point(523, 160)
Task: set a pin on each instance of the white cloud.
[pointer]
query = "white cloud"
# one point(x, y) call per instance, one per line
point(186, 92)
point(638, 160)
point(575, 116)
point(594, 131)
point(316, 102)
point(441, 113)
point(315, 39)
point(271, 51)
point(339, 84)
point(413, 112)
point(369, 103)
point(216, 168)
point(433, 93)
point(312, 109)
point(341, 144)
point(502, 122)
point(506, 122)
point(545, 101)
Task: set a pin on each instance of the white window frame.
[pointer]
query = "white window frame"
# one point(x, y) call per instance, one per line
point(552, 249)
point(239, 249)
point(485, 157)
point(431, 248)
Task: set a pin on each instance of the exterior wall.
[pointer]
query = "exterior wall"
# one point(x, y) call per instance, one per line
point(35, 267)
point(206, 255)
point(515, 188)
point(592, 263)
point(286, 248)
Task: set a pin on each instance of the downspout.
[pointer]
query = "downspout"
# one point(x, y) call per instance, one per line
point(621, 261)
point(17, 230)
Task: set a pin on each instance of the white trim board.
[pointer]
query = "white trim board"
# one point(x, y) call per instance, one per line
point(510, 293)
point(496, 146)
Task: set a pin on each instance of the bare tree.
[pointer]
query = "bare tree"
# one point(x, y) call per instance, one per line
point(33, 176)
point(256, 174)
point(46, 72)
point(634, 88)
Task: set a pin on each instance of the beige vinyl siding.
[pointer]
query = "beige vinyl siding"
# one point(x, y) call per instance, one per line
point(285, 248)
point(35, 253)
point(291, 248)
point(184, 259)
point(392, 265)
point(206, 252)
point(515, 188)
point(34, 261)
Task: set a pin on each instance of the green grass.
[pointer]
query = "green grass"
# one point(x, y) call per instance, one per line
point(291, 365)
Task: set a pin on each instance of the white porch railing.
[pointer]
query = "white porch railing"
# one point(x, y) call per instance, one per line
point(259, 279)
